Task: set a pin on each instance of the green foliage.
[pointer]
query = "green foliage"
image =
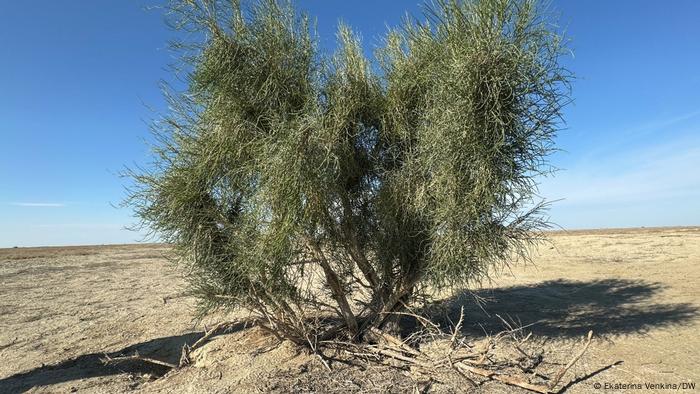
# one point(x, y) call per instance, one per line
point(292, 183)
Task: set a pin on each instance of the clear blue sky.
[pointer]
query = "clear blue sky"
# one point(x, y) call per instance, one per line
point(78, 78)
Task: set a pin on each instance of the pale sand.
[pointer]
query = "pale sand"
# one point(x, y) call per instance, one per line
point(61, 309)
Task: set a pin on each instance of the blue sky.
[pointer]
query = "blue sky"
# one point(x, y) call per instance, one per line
point(79, 83)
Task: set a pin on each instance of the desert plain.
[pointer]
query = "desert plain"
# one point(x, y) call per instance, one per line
point(63, 310)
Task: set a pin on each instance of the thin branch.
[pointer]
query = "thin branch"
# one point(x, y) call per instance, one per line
point(458, 326)
point(110, 360)
point(395, 341)
point(507, 379)
point(571, 363)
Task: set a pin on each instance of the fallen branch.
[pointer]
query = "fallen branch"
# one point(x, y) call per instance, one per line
point(573, 361)
point(399, 356)
point(589, 375)
point(507, 379)
point(392, 340)
point(208, 334)
point(136, 357)
point(468, 359)
point(184, 356)
point(187, 349)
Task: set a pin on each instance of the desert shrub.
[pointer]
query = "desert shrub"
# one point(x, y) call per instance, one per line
point(304, 186)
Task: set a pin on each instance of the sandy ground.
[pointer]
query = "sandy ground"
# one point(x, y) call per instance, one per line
point(62, 309)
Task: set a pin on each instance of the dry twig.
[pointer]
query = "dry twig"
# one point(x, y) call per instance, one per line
point(392, 340)
point(110, 360)
point(187, 349)
point(466, 358)
point(507, 379)
point(458, 326)
point(562, 371)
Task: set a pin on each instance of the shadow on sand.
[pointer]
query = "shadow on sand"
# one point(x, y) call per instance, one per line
point(563, 308)
point(166, 349)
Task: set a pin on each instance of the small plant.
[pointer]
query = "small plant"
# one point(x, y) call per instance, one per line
point(328, 193)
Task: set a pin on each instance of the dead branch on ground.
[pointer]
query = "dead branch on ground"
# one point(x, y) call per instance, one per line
point(184, 356)
point(452, 352)
point(187, 349)
point(562, 371)
point(114, 360)
point(468, 359)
